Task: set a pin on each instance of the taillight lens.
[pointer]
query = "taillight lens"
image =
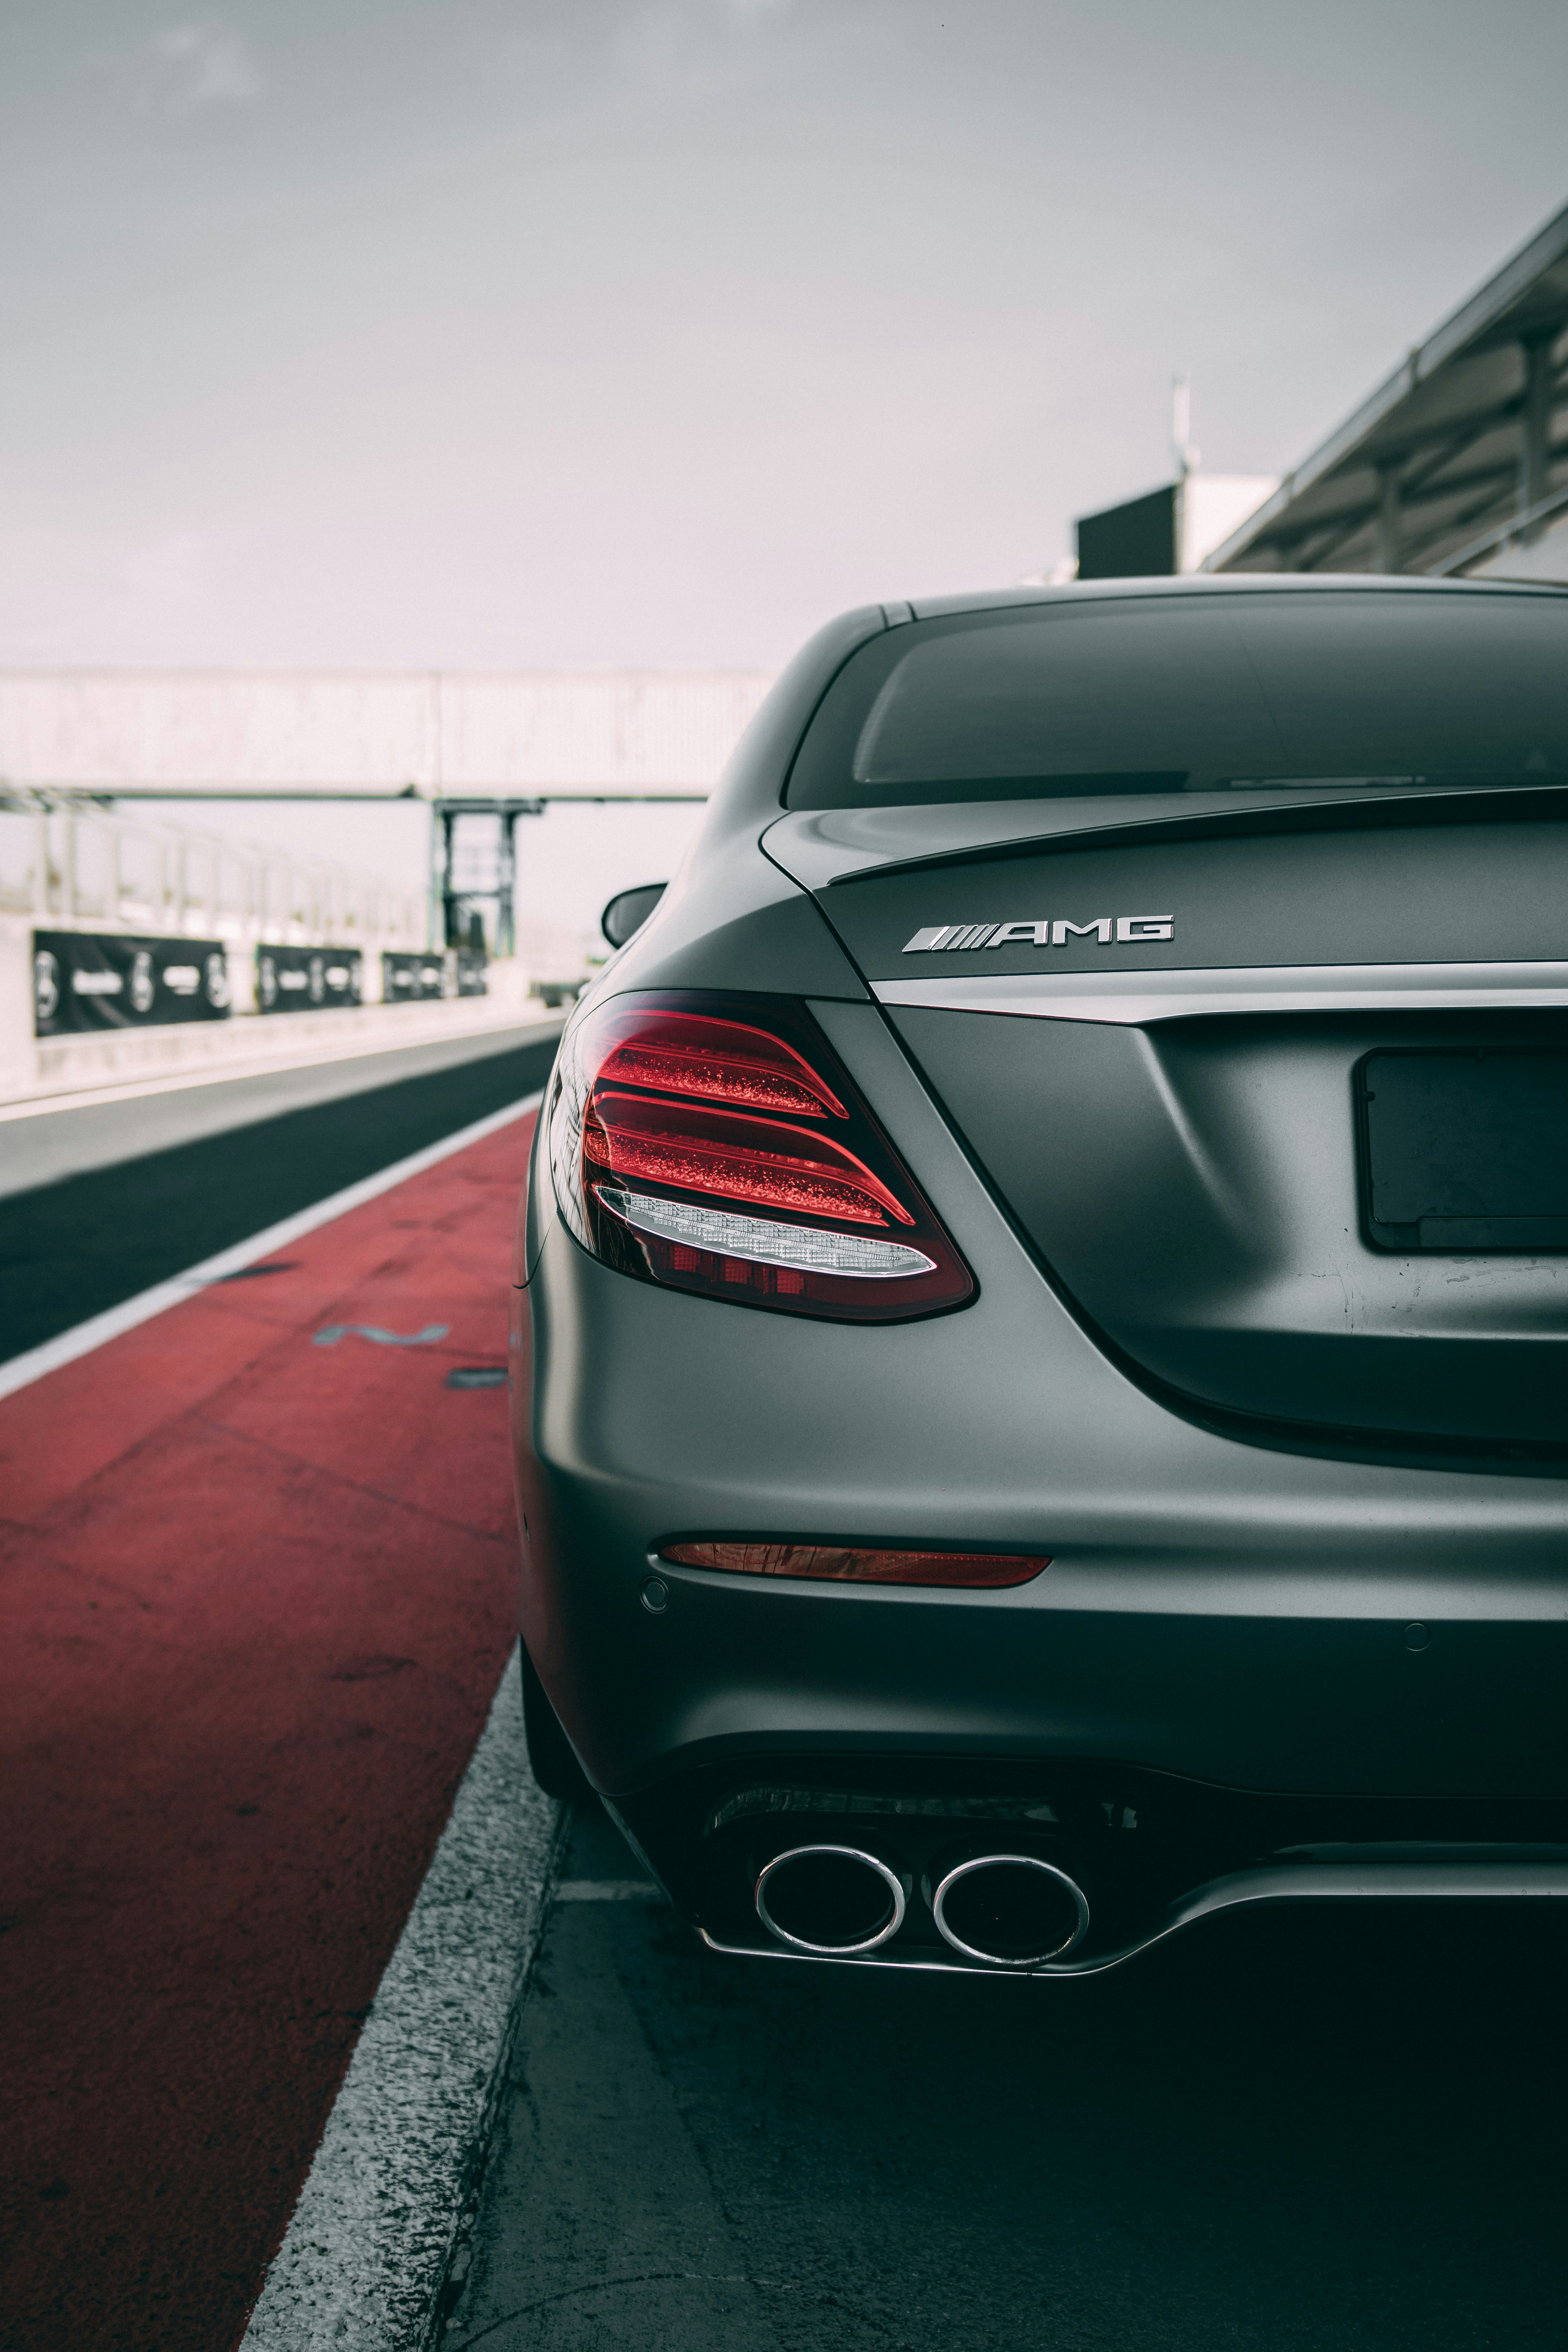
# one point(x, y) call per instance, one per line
point(714, 1143)
point(856, 1564)
point(722, 1061)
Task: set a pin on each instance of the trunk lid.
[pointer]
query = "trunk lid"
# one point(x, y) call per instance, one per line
point(1275, 1085)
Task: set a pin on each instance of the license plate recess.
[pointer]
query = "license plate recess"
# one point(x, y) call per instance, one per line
point(1464, 1150)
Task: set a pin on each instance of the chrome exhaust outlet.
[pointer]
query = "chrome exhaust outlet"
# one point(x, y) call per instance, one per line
point(1010, 1910)
point(832, 1900)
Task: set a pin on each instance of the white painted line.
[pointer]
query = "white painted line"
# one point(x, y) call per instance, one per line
point(286, 1059)
point(366, 2252)
point(80, 1342)
point(608, 1890)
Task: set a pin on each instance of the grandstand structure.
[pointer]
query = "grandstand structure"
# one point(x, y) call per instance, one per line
point(1456, 463)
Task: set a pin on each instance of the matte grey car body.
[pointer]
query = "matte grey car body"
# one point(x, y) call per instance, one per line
point(1299, 1459)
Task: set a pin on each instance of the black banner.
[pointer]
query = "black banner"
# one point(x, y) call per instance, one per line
point(307, 980)
point(101, 980)
point(408, 978)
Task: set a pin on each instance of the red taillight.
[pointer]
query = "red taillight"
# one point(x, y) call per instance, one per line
point(852, 1564)
point(678, 1156)
point(725, 1061)
point(785, 1170)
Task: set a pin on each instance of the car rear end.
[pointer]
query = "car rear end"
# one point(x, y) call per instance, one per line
point(1044, 1283)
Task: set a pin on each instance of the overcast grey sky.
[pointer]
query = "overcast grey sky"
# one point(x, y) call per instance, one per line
point(452, 332)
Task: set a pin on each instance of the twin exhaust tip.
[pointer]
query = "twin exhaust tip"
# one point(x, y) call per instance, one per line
point(830, 1899)
point(1010, 1910)
point(1004, 1910)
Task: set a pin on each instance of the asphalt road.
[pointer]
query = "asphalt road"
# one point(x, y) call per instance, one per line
point(124, 1195)
point(1310, 2129)
point(1288, 2132)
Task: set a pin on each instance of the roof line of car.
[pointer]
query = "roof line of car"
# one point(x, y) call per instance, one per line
point(1292, 583)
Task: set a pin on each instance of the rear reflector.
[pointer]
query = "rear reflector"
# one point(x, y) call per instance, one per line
point(974, 1569)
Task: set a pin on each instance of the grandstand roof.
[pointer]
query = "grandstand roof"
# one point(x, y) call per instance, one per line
point(1463, 448)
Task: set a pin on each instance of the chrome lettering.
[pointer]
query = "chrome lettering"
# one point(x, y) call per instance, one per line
point(1129, 930)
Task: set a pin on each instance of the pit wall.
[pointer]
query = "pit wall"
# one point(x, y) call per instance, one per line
point(40, 1069)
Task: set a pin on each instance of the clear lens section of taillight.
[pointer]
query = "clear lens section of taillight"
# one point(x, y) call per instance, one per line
point(714, 1143)
point(861, 1564)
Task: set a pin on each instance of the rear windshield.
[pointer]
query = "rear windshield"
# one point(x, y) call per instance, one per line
point(1206, 693)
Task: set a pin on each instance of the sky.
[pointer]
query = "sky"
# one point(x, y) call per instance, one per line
point(494, 334)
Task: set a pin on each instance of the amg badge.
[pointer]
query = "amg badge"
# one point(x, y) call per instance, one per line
point(1129, 930)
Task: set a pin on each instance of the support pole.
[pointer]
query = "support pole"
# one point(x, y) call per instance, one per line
point(1535, 430)
point(506, 877)
point(1387, 550)
point(448, 896)
point(435, 917)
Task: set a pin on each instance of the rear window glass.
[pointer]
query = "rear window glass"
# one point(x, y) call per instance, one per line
point(1162, 694)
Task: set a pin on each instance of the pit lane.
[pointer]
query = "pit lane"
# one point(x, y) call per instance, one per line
point(1329, 2126)
point(262, 1591)
point(259, 1584)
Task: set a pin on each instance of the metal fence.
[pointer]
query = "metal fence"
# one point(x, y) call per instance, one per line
point(96, 870)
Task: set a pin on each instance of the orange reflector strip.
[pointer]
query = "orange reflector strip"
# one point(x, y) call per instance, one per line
point(974, 1569)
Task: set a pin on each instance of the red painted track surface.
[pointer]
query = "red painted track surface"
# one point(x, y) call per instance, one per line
point(258, 1596)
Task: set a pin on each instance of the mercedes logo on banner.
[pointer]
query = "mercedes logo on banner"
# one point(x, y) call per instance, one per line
point(46, 989)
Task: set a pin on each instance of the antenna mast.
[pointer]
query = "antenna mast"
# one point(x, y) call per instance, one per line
point(1187, 459)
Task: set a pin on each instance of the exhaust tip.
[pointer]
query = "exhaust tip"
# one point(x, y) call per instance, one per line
point(1010, 1910)
point(832, 1900)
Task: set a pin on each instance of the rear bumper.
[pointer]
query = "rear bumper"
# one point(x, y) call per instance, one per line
point(1270, 1688)
point(1218, 1619)
point(1213, 1611)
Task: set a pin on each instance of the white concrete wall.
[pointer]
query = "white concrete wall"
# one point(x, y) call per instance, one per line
point(1213, 505)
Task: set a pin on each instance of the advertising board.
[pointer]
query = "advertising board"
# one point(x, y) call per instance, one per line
point(101, 980)
point(308, 979)
point(411, 978)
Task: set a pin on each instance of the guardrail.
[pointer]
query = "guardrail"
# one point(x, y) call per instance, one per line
point(72, 868)
point(135, 952)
